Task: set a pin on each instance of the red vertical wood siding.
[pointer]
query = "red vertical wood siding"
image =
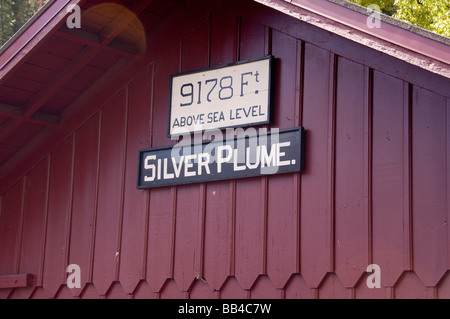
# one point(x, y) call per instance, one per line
point(250, 230)
point(33, 227)
point(351, 146)
point(110, 199)
point(317, 182)
point(188, 253)
point(162, 201)
point(218, 260)
point(85, 180)
point(374, 189)
point(429, 182)
point(282, 210)
point(11, 232)
point(390, 177)
point(135, 203)
point(58, 218)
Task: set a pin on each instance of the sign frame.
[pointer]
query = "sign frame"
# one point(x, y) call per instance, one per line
point(271, 73)
point(294, 166)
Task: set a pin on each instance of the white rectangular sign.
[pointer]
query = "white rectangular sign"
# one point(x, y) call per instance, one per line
point(234, 95)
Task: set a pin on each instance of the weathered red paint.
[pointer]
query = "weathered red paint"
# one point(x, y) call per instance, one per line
point(316, 206)
point(84, 198)
point(390, 176)
point(109, 208)
point(58, 218)
point(374, 189)
point(135, 203)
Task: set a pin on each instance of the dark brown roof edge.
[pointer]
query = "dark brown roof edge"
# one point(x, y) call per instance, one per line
point(398, 23)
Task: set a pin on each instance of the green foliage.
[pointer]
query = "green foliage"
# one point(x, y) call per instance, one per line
point(14, 14)
point(386, 6)
point(7, 20)
point(433, 15)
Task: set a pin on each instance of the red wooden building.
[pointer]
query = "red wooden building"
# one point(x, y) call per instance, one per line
point(76, 105)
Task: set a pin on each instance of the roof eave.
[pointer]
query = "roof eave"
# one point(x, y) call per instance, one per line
point(32, 35)
point(393, 40)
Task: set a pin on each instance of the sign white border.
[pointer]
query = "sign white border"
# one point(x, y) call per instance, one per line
point(226, 96)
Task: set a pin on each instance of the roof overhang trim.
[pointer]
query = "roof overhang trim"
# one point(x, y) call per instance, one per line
point(32, 34)
point(389, 39)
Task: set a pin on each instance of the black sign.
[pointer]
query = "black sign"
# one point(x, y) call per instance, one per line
point(246, 156)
